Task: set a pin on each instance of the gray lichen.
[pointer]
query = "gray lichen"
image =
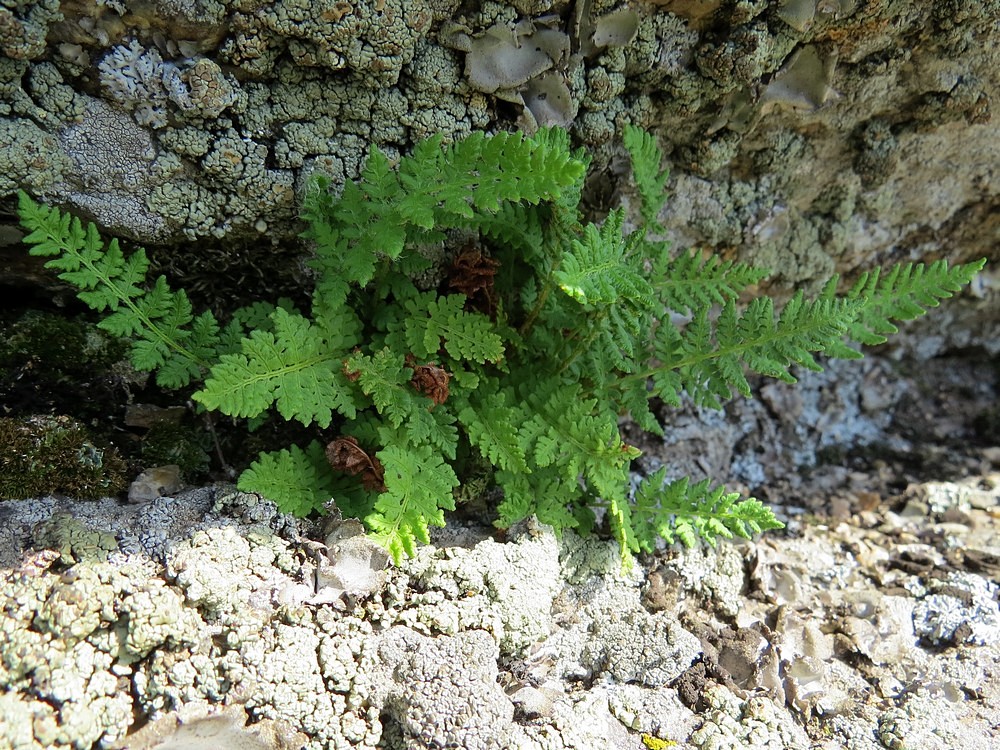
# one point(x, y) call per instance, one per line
point(635, 647)
point(24, 25)
point(60, 646)
point(371, 38)
point(444, 691)
point(466, 589)
point(464, 638)
point(52, 95)
point(747, 55)
point(199, 726)
point(877, 152)
point(753, 723)
point(141, 81)
point(30, 158)
point(111, 155)
point(960, 609)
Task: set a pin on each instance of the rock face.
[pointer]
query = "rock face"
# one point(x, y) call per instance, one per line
point(204, 616)
point(806, 135)
point(810, 136)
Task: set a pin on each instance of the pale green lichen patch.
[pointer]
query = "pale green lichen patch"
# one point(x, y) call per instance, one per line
point(24, 26)
point(157, 615)
point(220, 568)
point(75, 540)
point(465, 589)
point(61, 646)
point(30, 158)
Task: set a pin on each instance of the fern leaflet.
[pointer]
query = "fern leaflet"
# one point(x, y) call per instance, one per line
point(169, 339)
point(433, 188)
point(689, 282)
point(568, 432)
point(650, 181)
point(596, 272)
point(688, 512)
point(904, 293)
point(419, 488)
point(295, 368)
point(299, 481)
point(443, 322)
point(491, 426)
point(706, 361)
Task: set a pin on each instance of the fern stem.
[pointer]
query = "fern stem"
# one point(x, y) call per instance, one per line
point(529, 322)
point(595, 330)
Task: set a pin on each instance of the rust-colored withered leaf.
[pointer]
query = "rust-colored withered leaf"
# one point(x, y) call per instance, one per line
point(350, 374)
point(432, 381)
point(344, 454)
point(472, 274)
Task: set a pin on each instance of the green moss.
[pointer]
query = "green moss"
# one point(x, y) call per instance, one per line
point(54, 345)
point(43, 455)
point(58, 364)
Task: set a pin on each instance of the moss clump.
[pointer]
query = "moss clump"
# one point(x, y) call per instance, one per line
point(42, 455)
point(52, 364)
point(68, 345)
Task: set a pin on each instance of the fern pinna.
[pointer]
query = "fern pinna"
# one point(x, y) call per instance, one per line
point(512, 359)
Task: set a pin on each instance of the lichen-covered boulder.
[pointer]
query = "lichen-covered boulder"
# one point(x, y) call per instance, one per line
point(809, 137)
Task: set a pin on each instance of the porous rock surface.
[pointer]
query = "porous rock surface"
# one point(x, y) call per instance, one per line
point(872, 622)
point(804, 136)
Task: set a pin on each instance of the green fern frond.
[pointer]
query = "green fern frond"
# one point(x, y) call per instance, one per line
point(632, 396)
point(690, 282)
point(433, 188)
point(905, 292)
point(419, 488)
point(168, 338)
point(565, 204)
point(516, 227)
point(650, 180)
point(544, 494)
point(616, 345)
point(579, 333)
point(479, 173)
point(568, 431)
point(519, 498)
point(437, 322)
point(296, 368)
point(330, 226)
point(688, 512)
point(385, 378)
point(596, 271)
point(298, 481)
point(706, 360)
point(623, 528)
point(491, 426)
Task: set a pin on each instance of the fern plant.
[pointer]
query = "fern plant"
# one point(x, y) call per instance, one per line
point(521, 355)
